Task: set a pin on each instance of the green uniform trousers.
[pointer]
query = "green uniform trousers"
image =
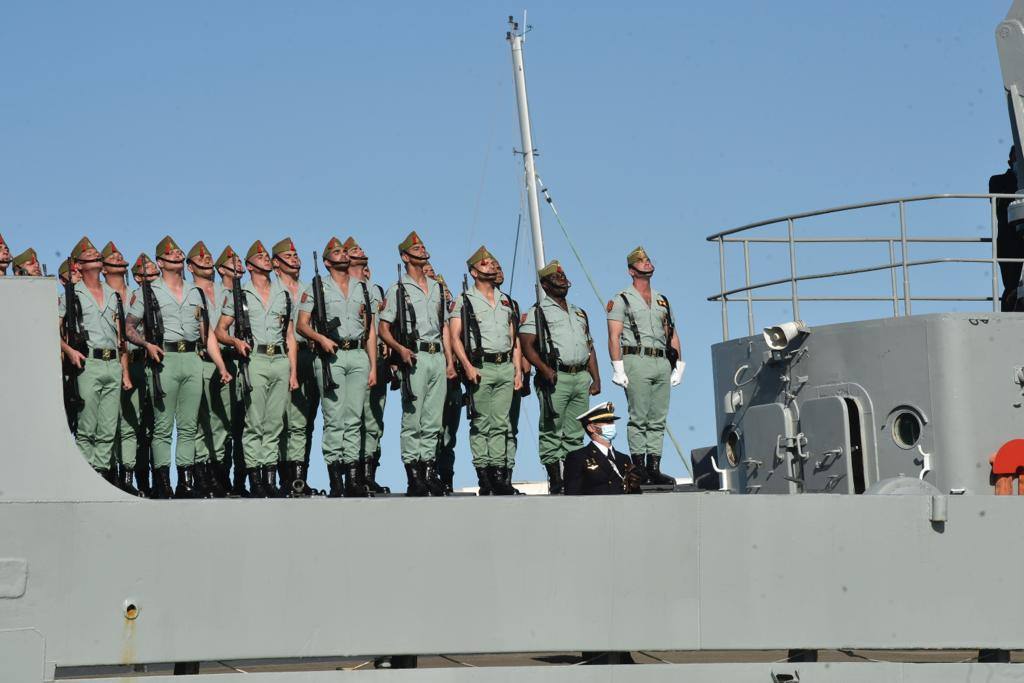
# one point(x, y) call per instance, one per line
point(300, 411)
point(373, 413)
point(647, 396)
point(131, 415)
point(215, 413)
point(563, 433)
point(489, 430)
point(181, 374)
point(343, 407)
point(421, 419)
point(264, 409)
point(99, 384)
point(513, 429)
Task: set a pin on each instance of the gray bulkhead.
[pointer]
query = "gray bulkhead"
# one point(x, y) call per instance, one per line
point(851, 404)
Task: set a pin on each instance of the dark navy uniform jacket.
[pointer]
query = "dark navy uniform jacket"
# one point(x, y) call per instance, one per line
point(589, 473)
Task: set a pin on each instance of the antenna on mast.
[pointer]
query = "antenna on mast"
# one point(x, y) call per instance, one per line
point(515, 37)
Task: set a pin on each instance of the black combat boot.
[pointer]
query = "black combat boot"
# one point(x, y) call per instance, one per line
point(211, 484)
point(484, 479)
point(285, 477)
point(269, 478)
point(370, 472)
point(335, 473)
point(199, 484)
point(256, 489)
point(124, 481)
point(238, 480)
point(434, 483)
point(508, 480)
point(142, 477)
point(354, 485)
point(554, 477)
point(297, 487)
point(640, 463)
point(184, 489)
point(417, 486)
point(654, 475)
point(499, 487)
point(162, 483)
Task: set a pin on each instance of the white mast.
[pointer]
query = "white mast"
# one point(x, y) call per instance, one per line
point(516, 39)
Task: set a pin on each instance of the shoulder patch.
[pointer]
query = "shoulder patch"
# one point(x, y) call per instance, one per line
point(134, 297)
point(451, 306)
point(522, 319)
point(505, 302)
point(581, 314)
point(383, 304)
point(662, 302)
point(305, 297)
point(610, 306)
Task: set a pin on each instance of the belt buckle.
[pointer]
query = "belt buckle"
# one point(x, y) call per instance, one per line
point(181, 346)
point(271, 349)
point(107, 354)
point(346, 344)
point(434, 348)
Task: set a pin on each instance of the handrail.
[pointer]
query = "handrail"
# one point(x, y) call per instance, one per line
point(850, 207)
point(900, 295)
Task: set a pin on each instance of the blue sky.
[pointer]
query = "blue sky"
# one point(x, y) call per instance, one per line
point(657, 123)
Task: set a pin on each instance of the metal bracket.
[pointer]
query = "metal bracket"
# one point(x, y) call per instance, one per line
point(780, 677)
point(827, 459)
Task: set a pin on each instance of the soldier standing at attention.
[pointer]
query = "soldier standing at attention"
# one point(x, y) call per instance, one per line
point(640, 332)
point(491, 367)
point(26, 264)
point(103, 370)
point(428, 364)
point(570, 376)
point(214, 412)
point(272, 366)
point(453, 400)
point(350, 344)
point(178, 366)
point(5, 256)
point(131, 426)
point(376, 396)
point(300, 412)
point(230, 268)
point(115, 273)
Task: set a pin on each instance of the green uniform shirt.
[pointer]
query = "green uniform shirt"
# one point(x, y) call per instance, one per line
point(181, 320)
point(492, 321)
point(427, 306)
point(650, 320)
point(268, 322)
point(569, 330)
point(350, 312)
point(100, 323)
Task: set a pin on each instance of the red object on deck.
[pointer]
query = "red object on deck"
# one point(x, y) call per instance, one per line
point(1010, 457)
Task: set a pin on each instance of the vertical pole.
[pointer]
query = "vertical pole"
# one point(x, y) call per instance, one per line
point(995, 256)
point(792, 271)
point(750, 298)
point(906, 269)
point(892, 276)
point(721, 289)
point(515, 39)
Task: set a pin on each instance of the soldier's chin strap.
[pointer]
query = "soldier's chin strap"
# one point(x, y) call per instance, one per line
point(342, 265)
point(88, 260)
point(265, 271)
point(168, 260)
point(120, 264)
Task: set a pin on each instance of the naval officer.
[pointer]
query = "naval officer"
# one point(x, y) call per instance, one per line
point(597, 468)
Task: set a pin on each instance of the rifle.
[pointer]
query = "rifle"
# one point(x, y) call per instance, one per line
point(153, 332)
point(405, 320)
point(549, 355)
point(77, 338)
point(322, 326)
point(466, 316)
point(670, 351)
point(243, 332)
point(122, 328)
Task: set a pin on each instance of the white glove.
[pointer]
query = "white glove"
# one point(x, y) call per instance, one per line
point(677, 373)
point(619, 374)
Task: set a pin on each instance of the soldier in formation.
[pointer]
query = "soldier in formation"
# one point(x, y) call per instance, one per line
point(5, 256)
point(237, 370)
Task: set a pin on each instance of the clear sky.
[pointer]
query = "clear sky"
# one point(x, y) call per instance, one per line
point(657, 123)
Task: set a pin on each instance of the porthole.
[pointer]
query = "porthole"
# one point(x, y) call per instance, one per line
point(732, 446)
point(906, 429)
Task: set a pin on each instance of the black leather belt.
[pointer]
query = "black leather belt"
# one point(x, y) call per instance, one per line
point(180, 346)
point(643, 351)
point(572, 369)
point(270, 349)
point(350, 344)
point(429, 347)
point(498, 358)
point(103, 354)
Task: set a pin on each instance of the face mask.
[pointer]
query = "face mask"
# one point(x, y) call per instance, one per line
point(608, 431)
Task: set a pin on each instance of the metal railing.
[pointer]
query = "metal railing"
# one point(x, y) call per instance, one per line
point(901, 240)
